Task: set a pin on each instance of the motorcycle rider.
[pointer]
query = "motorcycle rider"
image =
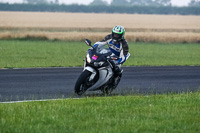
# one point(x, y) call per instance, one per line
point(118, 46)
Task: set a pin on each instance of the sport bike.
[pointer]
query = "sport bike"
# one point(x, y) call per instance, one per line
point(98, 71)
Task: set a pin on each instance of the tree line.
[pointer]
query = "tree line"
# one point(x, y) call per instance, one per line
point(130, 9)
point(119, 2)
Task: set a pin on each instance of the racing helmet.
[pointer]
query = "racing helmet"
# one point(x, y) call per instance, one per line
point(118, 33)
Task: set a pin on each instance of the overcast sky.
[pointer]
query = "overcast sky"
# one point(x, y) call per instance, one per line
point(85, 2)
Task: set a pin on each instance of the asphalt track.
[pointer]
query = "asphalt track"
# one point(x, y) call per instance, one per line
point(53, 83)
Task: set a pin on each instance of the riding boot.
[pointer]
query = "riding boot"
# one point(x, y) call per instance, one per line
point(117, 71)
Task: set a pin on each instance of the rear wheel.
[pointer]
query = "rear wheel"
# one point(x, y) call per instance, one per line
point(82, 84)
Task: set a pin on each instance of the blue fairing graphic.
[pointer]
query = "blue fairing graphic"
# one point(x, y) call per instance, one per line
point(116, 46)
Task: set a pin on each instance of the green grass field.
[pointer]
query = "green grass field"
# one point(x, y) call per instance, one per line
point(170, 113)
point(26, 53)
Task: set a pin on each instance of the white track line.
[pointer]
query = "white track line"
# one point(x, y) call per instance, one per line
point(37, 100)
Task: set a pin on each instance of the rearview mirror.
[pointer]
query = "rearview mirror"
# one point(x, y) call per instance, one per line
point(88, 42)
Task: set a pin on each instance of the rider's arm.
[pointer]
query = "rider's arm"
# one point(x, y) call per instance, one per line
point(124, 52)
point(104, 41)
point(107, 38)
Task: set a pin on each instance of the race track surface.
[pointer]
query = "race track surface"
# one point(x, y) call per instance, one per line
point(53, 83)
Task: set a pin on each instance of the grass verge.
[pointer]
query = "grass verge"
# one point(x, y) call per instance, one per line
point(153, 113)
point(32, 53)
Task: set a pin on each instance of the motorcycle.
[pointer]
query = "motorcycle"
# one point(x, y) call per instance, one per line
point(98, 73)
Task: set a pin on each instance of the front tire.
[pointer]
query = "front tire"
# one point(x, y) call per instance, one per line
point(82, 83)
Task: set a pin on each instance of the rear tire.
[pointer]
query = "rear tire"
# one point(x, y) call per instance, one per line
point(82, 83)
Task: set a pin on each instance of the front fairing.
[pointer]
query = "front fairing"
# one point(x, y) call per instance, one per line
point(98, 65)
point(98, 54)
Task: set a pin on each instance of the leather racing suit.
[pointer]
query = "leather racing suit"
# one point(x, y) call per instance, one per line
point(121, 49)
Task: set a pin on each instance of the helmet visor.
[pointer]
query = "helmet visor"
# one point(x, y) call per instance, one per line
point(115, 35)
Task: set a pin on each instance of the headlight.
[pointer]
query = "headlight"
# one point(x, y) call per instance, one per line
point(88, 58)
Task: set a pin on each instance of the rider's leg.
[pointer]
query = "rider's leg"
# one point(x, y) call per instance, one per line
point(118, 70)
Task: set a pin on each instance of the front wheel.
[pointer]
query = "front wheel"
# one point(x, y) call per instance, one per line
point(82, 84)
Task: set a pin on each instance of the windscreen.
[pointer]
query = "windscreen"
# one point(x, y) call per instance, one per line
point(102, 49)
